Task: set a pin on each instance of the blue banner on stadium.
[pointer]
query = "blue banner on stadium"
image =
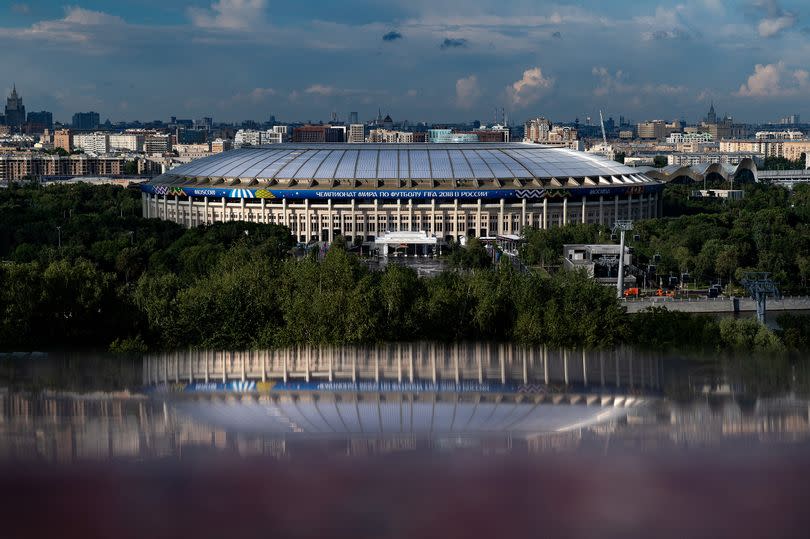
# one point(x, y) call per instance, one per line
point(438, 194)
point(422, 386)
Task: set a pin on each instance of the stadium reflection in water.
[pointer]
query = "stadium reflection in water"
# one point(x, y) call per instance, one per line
point(488, 398)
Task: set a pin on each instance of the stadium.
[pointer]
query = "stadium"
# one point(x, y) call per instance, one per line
point(366, 191)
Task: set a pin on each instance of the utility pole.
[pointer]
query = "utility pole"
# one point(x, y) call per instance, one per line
point(622, 225)
point(759, 285)
point(59, 235)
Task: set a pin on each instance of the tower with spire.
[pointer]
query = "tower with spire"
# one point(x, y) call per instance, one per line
point(711, 118)
point(15, 110)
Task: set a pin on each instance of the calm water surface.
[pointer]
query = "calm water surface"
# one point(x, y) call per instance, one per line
point(478, 398)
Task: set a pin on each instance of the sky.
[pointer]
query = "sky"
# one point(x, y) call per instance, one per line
point(421, 60)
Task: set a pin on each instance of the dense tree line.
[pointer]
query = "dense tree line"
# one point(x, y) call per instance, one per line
point(81, 268)
point(712, 240)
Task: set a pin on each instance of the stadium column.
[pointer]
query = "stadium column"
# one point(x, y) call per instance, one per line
point(166, 207)
point(615, 208)
point(145, 205)
point(455, 219)
point(522, 214)
point(242, 215)
point(331, 233)
point(410, 215)
point(284, 213)
point(660, 204)
point(264, 210)
point(565, 211)
point(501, 212)
point(478, 226)
point(583, 220)
point(307, 222)
point(601, 210)
point(545, 213)
point(205, 210)
point(433, 217)
point(354, 220)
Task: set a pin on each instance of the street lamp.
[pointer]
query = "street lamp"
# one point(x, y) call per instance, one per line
point(622, 225)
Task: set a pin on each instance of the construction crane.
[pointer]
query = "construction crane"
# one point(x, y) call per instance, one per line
point(602, 123)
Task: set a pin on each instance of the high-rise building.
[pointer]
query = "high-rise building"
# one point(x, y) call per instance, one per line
point(352, 117)
point(536, 130)
point(15, 111)
point(63, 138)
point(86, 121)
point(39, 121)
point(356, 132)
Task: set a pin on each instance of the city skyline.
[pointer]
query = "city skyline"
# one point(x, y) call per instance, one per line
point(248, 59)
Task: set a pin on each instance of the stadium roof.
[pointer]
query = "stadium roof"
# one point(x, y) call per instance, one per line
point(323, 163)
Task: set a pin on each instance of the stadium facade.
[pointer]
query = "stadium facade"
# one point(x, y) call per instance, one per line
point(364, 191)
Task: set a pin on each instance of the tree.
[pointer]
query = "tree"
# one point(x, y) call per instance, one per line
point(660, 161)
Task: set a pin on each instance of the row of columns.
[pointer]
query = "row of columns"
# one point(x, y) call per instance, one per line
point(224, 366)
point(157, 206)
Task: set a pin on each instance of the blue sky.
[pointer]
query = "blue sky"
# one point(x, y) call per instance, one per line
point(424, 60)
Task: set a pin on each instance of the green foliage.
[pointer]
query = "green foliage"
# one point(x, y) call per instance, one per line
point(782, 163)
point(127, 284)
point(794, 331)
point(544, 247)
point(660, 161)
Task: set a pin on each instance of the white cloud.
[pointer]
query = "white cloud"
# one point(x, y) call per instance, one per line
point(229, 14)
point(775, 80)
point(256, 95)
point(775, 18)
point(322, 90)
point(772, 27)
point(87, 17)
point(467, 91)
point(531, 87)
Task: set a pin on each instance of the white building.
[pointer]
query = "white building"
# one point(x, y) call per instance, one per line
point(132, 142)
point(92, 142)
point(248, 137)
point(689, 138)
point(356, 133)
point(779, 135)
point(390, 136)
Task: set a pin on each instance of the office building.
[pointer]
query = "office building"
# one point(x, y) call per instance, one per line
point(86, 121)
point(97, 143)
point(39, 121)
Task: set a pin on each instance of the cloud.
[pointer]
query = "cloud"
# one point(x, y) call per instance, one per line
point(87, 17)
point(21, 9)
point(392, 36)
point(775, 80)
point(467, 91)
point(92, 31)
point(229, 14)
point(321, 90)
point(772, 27)
point(556, 35)
point(616, 83)
point(256, 95)
point(531, 87)
point(775, 20)
point(453, 43)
